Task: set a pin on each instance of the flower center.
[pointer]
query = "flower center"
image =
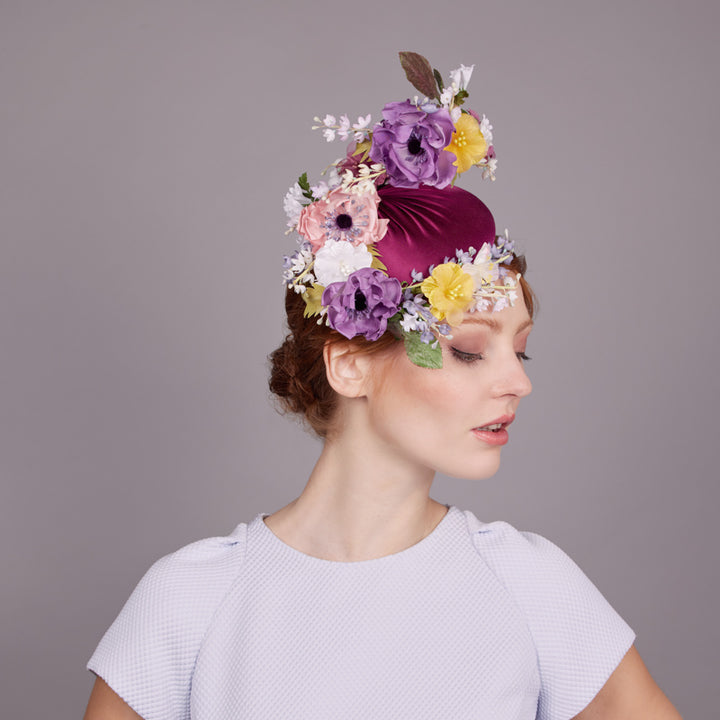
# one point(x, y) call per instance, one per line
point(344, 221)
point(360, 301)
point(414, 145)
point(461, 140)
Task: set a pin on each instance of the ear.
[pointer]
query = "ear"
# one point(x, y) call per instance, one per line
point(347, 372)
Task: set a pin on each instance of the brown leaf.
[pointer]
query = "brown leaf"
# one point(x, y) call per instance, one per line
point(419, 73)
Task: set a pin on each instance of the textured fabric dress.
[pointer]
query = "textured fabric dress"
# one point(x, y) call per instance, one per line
point(476, 621)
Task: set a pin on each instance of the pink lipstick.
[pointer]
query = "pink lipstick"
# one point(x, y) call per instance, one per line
point(495, 432)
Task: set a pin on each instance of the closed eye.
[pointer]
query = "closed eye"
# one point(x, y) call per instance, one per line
point(523, 356)
point(465, 357)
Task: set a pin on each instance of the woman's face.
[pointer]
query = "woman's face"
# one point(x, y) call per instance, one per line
point(455, 419)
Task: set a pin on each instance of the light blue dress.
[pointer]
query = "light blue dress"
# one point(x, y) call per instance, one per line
point(476, 621)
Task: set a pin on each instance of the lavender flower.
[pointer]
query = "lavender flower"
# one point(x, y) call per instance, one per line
point(362, 304)
point(411, 143)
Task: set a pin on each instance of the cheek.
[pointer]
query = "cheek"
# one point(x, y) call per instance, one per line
point(422, 400)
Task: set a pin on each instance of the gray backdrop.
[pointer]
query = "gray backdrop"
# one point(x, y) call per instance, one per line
point(146, 148)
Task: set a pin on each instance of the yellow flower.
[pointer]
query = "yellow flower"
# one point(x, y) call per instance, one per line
point(467, 143)
point(450, 292)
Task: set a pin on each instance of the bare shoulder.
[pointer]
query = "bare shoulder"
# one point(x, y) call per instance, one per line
point(105, 704)
point(630, 693)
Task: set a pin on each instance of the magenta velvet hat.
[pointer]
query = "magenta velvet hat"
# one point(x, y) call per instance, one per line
point(427, 225)
point(387, 242)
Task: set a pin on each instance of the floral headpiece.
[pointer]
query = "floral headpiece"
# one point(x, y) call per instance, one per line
point(340, 266)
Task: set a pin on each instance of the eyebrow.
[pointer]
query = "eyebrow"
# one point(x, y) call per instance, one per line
point(494, 325)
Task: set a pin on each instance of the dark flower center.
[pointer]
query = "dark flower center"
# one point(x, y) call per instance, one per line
point(360, 301)
point(414, 145)
point(344, 221)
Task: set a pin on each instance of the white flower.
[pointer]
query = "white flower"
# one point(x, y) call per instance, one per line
point(486, 129)
point(461, 76)
point(337, 259)
point(446, 97)
point(482, 270)
point(292, 204)
point(362, 122)
point(320, 190)
point(409, 323)
point(344, 127)
point(365, 186)
point(455, 114)
point(488, 172)
point(329, 121)
point(333, 178)
point(301, 260)
point(329, 134)
point(500, 304)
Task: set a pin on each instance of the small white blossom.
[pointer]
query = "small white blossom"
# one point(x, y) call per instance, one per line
point(344, 127)
point(329, 134)
point(482, 270)
point(488, 172)
point(455, 114)
point(409, 323)
point(461, 76)
point(446, 97)
point(337, 259)
point(329, 121)
point(333, 178)
point(320, 190)
point(486, 129)
point(362, 123)
point(364, 187)
point(292, 204)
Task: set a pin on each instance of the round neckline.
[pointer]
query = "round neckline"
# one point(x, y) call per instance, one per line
point(271, 539)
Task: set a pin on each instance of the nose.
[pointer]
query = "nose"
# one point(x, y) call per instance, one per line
point(512, 379)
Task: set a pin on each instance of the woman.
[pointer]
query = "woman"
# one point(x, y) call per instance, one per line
point(364, 597)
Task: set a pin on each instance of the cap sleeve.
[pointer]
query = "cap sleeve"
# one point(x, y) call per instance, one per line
point(148, 654)
point(579, 637)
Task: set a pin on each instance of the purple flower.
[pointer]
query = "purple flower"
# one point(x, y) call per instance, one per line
point(362, 304)
point(411, 143)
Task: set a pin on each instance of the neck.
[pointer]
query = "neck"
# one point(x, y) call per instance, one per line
point(361, 501)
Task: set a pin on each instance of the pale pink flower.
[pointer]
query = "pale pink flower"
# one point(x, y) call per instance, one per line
point(343, 216)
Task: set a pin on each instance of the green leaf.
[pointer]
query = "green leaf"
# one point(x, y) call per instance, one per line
point(438, 80)
point(422, 354)
point(419, 73)
point(305, 186)
point(460, 96)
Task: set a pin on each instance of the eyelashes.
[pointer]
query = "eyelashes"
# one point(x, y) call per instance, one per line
point(466, 357)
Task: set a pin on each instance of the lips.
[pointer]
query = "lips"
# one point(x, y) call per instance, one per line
point(500, 423)
point(495, 432)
